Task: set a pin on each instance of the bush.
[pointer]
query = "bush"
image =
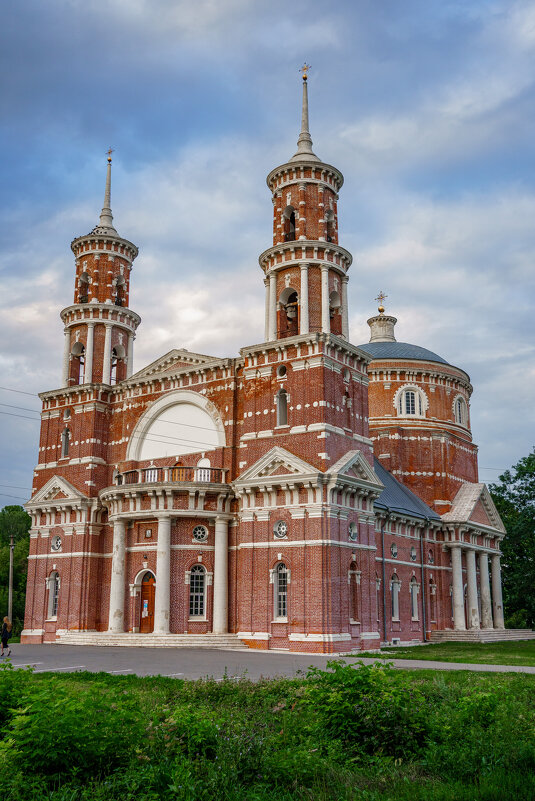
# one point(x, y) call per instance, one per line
point(370, 708)
point(517, 620)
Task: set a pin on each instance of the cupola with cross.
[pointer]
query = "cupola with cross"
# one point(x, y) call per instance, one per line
point(305, 269)
point(99, 326)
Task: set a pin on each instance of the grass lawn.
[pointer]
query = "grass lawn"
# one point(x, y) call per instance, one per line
point(521, 652)
point(343, 734)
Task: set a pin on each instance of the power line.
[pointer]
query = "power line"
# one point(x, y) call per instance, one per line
point(19, 497)
point(24, 416)
point(22, 408)
point(20, 391)
point(14, 486)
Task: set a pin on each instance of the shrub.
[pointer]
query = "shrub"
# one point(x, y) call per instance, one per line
point(372, 709)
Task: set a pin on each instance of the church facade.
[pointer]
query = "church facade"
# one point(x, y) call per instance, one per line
point(308, 494)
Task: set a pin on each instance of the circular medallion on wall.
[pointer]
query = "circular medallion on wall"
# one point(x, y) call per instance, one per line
point(200, 533)
point(353, 531)
point(280, 529)
point(394, 550)
point(55, 544)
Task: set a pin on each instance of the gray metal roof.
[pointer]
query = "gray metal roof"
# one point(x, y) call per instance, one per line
point(397, 498)
point(400, 350)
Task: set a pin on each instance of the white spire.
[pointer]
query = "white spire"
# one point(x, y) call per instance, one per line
point(304, 143)
point(106, 217)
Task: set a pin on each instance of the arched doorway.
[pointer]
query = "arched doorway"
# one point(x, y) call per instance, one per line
point(146, 621)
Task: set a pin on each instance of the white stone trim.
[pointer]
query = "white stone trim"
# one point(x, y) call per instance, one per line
point(297, 636)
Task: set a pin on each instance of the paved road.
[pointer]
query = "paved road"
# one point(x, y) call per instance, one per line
point(194, 663)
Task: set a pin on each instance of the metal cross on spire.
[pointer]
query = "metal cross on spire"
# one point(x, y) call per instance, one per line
point(304, 70)
point(109, 151)
point(380, 298)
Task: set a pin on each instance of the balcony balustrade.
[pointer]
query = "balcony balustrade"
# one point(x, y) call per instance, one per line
point(171, 475)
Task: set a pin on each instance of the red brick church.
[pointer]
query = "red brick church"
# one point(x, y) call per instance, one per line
point(308, 494)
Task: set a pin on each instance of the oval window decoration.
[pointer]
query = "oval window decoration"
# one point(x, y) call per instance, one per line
point(55, 544)
point(280, 529)
point(431, 557)
point(394, 550)
point(353, 531)
point(200, 533)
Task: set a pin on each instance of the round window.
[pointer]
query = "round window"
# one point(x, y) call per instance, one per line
point(394, 550)
point(55, 544)
point(353, 531)
point(413, 554)
point(281, 371)
point(200, 533)
point(280, 529)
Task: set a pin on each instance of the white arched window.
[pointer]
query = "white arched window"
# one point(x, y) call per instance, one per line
point(197, 591)
point(460, 410)
point(410, 401)
point(53, 595)
point(280, 595)
point(65, 439)
point(395, 586)
point(78, 353)
point(414, 598)
point(288, 218)
point(354, 582)
point(282, 407)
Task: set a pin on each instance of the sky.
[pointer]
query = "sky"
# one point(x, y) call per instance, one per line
point(426, 106)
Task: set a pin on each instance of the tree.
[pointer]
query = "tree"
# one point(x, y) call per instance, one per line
point(514, 496)
point(14, 521)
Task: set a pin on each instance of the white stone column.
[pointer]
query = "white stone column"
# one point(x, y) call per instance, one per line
point(457, 588)
point(130, 355)
point(66, 358)
point(117, 585)
point(266, 314)
point(162, 596)
point(304, 325)
point(220, 614)
point(89, 353)
point(106, 368)
point(272, 307)
point(497, 602)
point(486, 603)
point(345, 310)
point(471, 581)
point(325, 310)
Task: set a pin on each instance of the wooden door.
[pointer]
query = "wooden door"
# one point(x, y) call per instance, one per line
point(146, 623)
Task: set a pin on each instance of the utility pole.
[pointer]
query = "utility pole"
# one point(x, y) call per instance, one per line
point(10, 592)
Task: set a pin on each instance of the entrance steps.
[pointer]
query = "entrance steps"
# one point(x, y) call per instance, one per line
point(482, 635)
point(225, 641)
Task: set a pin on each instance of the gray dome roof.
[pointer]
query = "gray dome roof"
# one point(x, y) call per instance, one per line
point(400, 350)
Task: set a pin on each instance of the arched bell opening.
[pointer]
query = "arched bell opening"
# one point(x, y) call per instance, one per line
point(335, 313)
point(118, 364)
point(330, 226)
point(83, 288)
point(119, 285)
point(288, 222)
point(288, 322)
point(77, 373)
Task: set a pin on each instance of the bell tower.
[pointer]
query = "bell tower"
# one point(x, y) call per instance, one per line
point(99, 326)
point(305, 269)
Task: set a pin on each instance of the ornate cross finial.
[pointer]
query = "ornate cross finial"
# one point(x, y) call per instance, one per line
point(380, 297)
point(110, 151)
point(304, 70)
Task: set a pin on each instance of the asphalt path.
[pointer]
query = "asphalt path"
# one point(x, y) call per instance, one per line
point(195, 663)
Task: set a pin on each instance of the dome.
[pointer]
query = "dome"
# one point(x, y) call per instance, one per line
point(400, 350)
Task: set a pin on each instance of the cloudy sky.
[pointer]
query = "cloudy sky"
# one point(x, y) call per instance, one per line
point(426, 106)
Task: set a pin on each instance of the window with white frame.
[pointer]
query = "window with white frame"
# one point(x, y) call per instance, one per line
point(460, 410)
point(414, 598)
point(53, 595)
point(197, 591)
point(395, 586)
point(410, 401)
point(281, 592)
point(354, 582)
point(65, 439)
point(282, 407)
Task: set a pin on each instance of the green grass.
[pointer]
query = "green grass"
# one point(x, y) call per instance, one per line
point(520, 652)
point(343, 734)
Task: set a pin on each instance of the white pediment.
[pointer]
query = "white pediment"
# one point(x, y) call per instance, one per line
point(277, 462)
point(354, 465)
point(471, 500)
point(56, 491)
point(176, 359)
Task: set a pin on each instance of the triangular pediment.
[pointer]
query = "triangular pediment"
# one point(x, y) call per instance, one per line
point(56, 489)
point(277, 462)
point(355, 466)
point(473, 504)
point(174, 361)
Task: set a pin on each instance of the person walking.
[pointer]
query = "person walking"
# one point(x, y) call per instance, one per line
point(7, 631)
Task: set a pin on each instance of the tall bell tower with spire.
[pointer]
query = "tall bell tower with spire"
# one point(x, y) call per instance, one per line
point(305, 269)
point(99, 326)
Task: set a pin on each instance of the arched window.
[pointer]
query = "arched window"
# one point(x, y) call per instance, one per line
point(114, 360)
point(411, 401)
point(282, 407)
point(354, 582)
point(329, 219)
point(53, 595)
point(83, 289)
point(288, 221)
point(460, 411)
point(280, 595)
point(197, 591)
point(120, 285)
point(414, 598)
point(395, 586)
point(65, 439)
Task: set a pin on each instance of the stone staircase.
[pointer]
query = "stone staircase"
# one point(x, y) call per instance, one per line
point(482, 635)
point(224, 641)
